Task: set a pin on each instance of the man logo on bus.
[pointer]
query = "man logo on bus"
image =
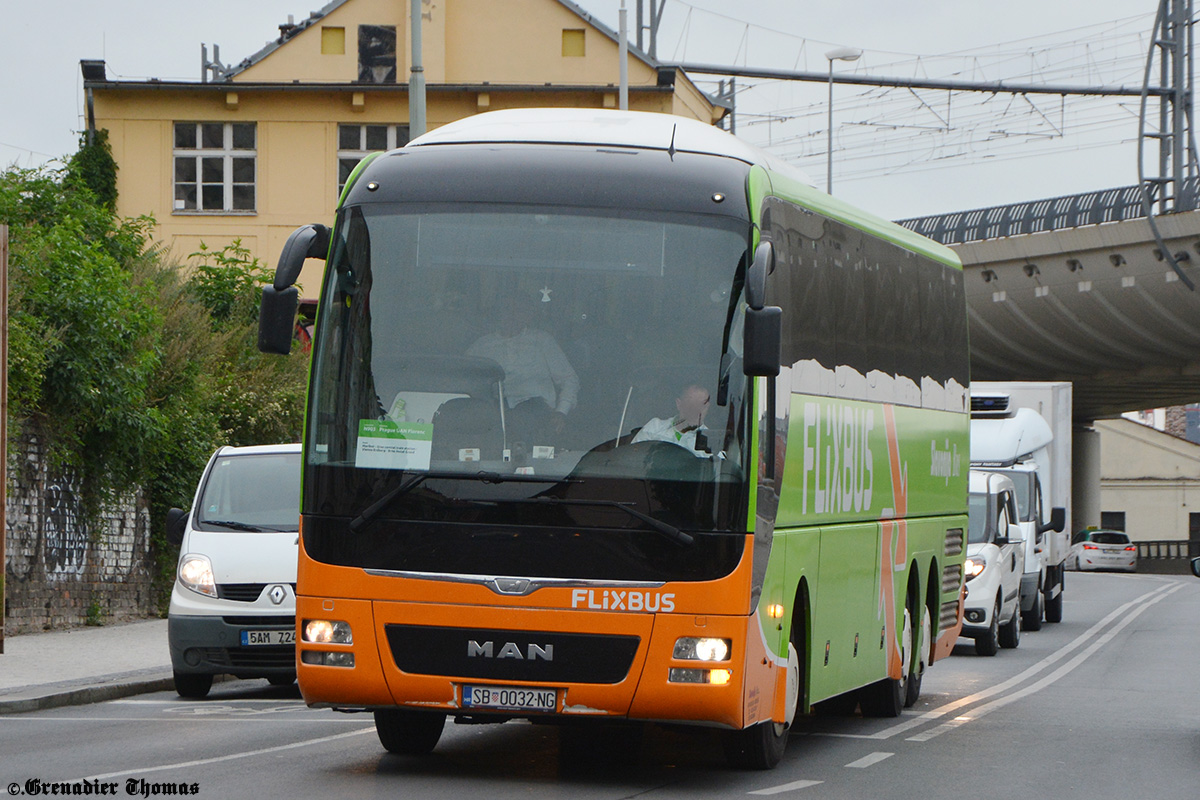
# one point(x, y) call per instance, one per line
point(510, 650)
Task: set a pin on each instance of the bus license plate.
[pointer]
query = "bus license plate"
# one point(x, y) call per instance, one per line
point(253, 638)
point(510, 698)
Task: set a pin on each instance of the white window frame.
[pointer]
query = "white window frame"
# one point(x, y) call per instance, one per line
point(397, 136)
point(228, 154)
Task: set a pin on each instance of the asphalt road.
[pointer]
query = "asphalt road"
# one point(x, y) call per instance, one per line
point(1105, 704)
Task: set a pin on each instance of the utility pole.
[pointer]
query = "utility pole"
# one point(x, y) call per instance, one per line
point(656, 12)
point(416, 83)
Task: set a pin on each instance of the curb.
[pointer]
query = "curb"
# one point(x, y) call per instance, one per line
point(85, 695)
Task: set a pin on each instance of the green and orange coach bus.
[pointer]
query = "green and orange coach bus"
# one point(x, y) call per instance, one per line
point(487, 534)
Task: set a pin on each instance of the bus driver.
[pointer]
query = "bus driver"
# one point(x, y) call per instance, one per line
point(686, 428)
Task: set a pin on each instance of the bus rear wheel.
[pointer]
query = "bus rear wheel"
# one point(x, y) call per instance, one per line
point(408, 733)
point(886, 698)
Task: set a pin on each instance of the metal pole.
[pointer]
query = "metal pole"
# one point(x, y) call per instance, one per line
point(416, 83)
point(623, 55)
point(829, 153)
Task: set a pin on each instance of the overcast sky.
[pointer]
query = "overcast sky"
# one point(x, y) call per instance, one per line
point(41, 101)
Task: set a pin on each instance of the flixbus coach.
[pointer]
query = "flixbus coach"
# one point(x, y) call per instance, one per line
point(485, 535)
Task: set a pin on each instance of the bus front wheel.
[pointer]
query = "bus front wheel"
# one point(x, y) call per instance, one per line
point(761, 746)
point(408, 733)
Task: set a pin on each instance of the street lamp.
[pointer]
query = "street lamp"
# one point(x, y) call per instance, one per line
point(836, 54)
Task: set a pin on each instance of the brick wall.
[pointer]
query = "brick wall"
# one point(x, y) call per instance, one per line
point(60, 569)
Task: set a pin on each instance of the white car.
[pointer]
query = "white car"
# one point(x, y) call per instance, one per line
point(1103, 550)
point(994, 564)
point(233, 605)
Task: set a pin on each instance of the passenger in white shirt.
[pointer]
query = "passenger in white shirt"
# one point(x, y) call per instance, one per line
point(540, 385)
point(681, 429)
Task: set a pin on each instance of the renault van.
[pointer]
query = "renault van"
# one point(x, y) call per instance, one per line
point(233, 606)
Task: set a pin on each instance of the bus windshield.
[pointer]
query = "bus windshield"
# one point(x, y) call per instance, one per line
point(560, 353)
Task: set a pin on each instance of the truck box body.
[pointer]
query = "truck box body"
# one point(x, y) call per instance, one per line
point(1024, 429)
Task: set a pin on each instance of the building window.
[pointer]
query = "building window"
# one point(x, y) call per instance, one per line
point(356, 142)
point(572, 42)
point(215, 166)
point(333, 41)
point(1112, 520)
point(376, 53)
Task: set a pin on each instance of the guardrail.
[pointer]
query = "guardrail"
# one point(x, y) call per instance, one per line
point(1167, 556)
point(1169, 548)
point(1036, 216)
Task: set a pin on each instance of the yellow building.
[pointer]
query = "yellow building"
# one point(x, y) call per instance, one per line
point(255, 149)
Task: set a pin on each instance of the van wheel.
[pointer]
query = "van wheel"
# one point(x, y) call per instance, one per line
point(1031, 620)
point(192, 685)
point(408, 733)
point(1010, 632)
point(1054, 604)
point(988, 642)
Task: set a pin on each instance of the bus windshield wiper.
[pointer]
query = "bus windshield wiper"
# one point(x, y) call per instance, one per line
point(373, 510)
point(666, 529)
point(233, 525)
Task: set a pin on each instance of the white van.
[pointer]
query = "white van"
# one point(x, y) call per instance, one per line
point(233, 606)
point(994, 564)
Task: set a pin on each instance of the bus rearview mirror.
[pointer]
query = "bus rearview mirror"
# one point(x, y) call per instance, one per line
point(277, 319)
point(307, 241)
point(763, 341)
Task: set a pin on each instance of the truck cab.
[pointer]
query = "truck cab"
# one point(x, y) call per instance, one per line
point(995, 563)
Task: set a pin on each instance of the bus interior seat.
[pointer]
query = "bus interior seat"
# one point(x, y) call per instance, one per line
point(464, 423)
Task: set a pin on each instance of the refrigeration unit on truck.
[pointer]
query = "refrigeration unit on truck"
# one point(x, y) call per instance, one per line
point(1023, 430)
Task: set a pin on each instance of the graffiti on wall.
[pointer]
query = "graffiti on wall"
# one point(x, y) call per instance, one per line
point(65, 533)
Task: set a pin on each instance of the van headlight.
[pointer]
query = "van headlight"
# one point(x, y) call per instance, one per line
point(195, 573)
point(972, 567)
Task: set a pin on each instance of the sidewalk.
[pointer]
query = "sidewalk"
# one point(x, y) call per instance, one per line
point(83, 665)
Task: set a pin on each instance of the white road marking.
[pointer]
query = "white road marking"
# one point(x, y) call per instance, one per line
point(787, 787)
point(230, 757)
point(190, 720)
point(867, 761)
point(986, 709)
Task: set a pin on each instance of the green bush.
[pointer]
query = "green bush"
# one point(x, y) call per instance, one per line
point(134, 368)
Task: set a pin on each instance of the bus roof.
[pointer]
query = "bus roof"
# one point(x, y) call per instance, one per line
point(604, 128)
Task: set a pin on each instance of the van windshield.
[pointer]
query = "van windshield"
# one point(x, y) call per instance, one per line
point(258, 492)
point(977, 527)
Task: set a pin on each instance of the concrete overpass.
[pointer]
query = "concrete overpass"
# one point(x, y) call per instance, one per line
point(1077, 289)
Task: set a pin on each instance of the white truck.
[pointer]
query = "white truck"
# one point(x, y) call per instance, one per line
point(1023, 430)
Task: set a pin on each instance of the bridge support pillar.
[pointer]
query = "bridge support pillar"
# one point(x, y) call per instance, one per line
point(1085, 478)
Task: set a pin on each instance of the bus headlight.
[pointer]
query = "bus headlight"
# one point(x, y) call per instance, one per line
point(322, 631)
point(195, 573)
point(690, 648)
